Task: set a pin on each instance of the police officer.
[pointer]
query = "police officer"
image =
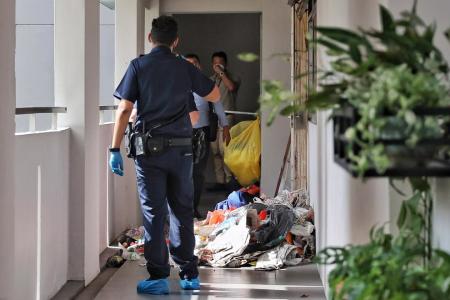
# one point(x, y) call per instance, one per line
point(162, 84)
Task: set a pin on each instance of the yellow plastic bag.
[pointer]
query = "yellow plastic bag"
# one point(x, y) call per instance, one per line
point(243, 154)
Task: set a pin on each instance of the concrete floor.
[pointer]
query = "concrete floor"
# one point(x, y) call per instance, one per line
point(301, 282)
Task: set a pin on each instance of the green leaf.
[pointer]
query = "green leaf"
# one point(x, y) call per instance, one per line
point(414, 8)
point(429, 33)
point(248, 57)
point(290, 110)
point(419, 184)
point(402, 216)
point(447, 34)
point(355, 53)
point(341, 35)
point(331, 46)
point(387, 20)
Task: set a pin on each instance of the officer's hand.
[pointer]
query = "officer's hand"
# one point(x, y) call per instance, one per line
point(116, 163)
point(226, 135)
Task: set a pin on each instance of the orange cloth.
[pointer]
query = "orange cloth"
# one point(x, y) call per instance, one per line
point(217, 217)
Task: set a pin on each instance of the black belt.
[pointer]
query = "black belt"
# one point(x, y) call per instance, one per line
point(179, 142)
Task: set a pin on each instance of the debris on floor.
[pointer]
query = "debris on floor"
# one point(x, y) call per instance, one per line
point(115, 261)
point(131, 243)
point(247, 229)
point(261, 232)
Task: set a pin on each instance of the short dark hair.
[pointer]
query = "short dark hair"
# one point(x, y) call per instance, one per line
point(220, 54)
point(164, 30)
point(192, 55)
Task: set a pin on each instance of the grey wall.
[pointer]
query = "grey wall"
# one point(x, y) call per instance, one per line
point(234, 33)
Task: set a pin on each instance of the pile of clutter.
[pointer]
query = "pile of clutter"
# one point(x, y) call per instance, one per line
point(131, 243)
point(257, 231)
point(246, 230)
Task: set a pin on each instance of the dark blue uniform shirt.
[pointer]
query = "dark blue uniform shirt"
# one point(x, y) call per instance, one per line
point(162, 85)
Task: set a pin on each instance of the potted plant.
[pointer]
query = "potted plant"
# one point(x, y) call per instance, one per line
point(389, 94)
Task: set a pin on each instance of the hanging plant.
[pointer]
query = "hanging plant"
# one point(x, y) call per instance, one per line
point(390, 80)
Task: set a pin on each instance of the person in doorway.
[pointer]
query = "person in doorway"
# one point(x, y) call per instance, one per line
point(162, 84)
point(228, 86)
point(202, 137)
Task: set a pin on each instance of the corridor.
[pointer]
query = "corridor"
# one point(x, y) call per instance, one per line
point(301, 282)
point(62, 210)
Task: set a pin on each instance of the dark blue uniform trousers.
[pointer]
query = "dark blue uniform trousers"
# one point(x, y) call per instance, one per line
point(165, 188)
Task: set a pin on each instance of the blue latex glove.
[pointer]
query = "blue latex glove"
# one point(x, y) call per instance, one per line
point(116, 163)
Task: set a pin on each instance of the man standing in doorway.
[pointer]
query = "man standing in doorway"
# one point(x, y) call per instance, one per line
point(228, 86)
point(162, 85)
point(202, 136)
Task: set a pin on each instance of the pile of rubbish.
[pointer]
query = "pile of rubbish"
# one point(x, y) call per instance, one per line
point(131, 243)
point(247, 230)
point(260, 232)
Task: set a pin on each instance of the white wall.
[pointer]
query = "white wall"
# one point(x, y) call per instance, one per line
point(435, 11)
point(276, 30)
point(276, 38)
point(34, 59)
point(7, 149)
point(118, 211)
point(346, 208)
point(107, 21)
point(41, 247)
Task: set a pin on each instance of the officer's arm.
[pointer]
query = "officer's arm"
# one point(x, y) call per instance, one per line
point(214, 95)
point(195, 116)
point(122, 116)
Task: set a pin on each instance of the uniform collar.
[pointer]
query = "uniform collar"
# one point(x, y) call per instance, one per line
point(161, 49)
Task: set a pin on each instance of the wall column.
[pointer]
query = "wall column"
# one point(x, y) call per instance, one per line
point(129, 33)
point(152, 11)
point(7, 128)
point(77, 87)
point(129, 45)
point(276, 38)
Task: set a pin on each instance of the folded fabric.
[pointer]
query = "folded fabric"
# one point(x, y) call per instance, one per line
point(153, 287)
point(229, 244)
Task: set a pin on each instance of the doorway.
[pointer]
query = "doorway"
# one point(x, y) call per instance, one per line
point(233, 33)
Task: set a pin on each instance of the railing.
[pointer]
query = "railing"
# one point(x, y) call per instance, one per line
point(244, 113)
point(103, 108)
point(33, 111)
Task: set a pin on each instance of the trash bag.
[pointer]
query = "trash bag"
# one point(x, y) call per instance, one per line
point(280, 219)
point(242, 155)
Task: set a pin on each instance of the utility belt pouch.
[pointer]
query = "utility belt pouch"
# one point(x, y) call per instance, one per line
point(155, 145)
point(139, 144)
point(129, 141)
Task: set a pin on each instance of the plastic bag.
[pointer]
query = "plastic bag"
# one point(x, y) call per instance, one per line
point(243, 153)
